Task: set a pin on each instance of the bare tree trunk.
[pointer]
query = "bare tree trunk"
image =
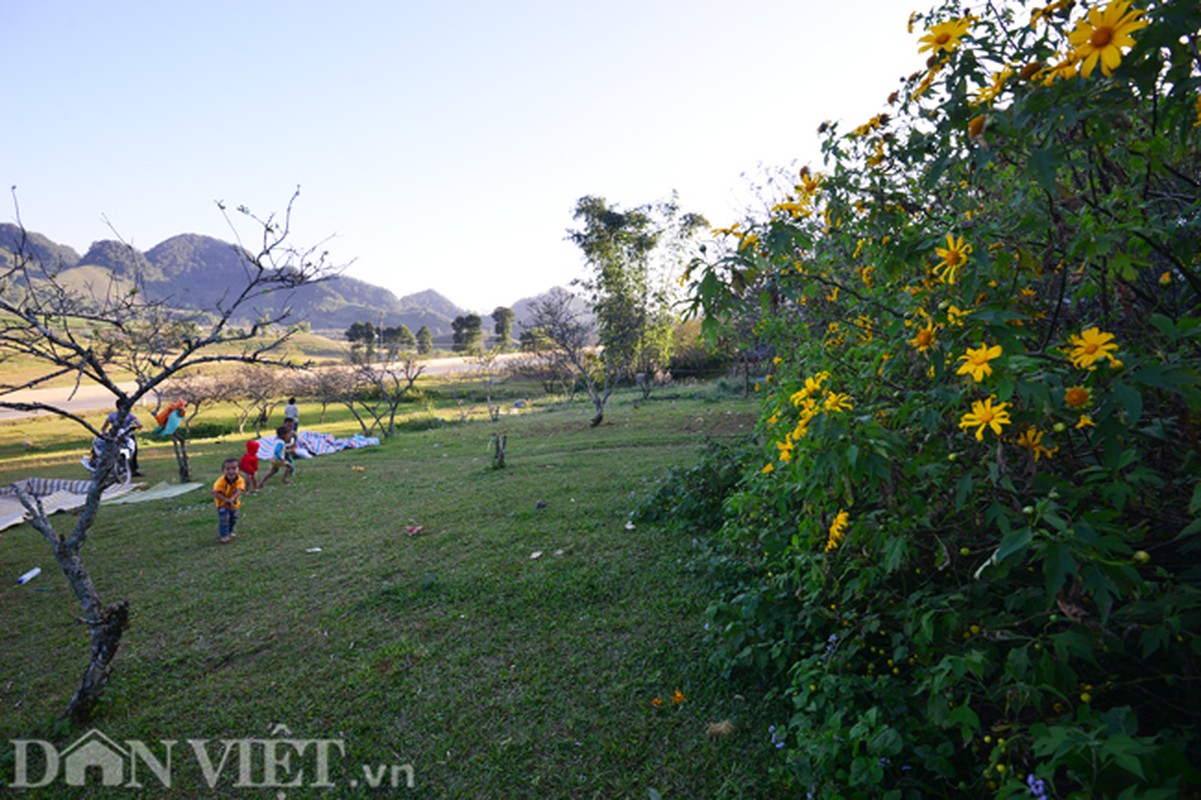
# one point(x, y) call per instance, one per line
point(105, 623)
point(180, 446)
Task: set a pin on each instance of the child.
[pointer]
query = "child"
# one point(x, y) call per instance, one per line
point(292, 414)
point(249, 466)
point(282, 456)
point(227, 493)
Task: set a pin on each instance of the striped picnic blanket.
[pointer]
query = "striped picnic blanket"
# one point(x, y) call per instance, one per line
point(311, 443)
point(56, 494)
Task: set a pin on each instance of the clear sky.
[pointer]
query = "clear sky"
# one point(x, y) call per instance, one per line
point(443, 143)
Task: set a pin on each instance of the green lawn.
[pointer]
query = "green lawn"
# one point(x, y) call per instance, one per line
point(489, 672)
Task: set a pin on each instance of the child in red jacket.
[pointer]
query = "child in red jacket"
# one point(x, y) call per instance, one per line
point(249, 466)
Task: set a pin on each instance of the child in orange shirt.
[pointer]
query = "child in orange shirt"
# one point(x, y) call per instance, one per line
point(227, 493)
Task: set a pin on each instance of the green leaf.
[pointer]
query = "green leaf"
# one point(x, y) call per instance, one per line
point(1120, 748)
point(1058, 564)
point(1194, 505)
point(1014, 542)
point(964, 488)
point(963, 716)
point(1165, 326)
point(1131, 402)
point(1043, 164)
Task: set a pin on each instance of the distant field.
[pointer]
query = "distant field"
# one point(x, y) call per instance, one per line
point(512, 648)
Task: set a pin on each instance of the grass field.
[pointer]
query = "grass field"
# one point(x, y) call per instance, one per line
point(458, 654)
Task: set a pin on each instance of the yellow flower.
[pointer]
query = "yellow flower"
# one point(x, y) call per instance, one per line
point(657, 702)
point(1032, 441)
point(1085, 422)
point(990, 92)
point(954, 256)
point(975, 361)
point(924, 339)
point(768, 468)
point(812, 386)
point(875, 123)
point(837, 401)
point(1064, 70)
point(810, 182)
point(985, 415)
point(1046, 12)
point(976, 126)
point(785, 447)
point(1166, 278)
point(795, 209)
point(927, 81)
point(955, 316)
point(945, 35)
point(833, 295)
point(1102, 34)
point(1077, 397)
point(1197, 108)
point(1090, 346)
point(838, 530)
point(677, 697)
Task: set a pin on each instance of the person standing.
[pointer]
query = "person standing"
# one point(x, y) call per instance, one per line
point(292, 414)
point(227, 494)
point(249, 466)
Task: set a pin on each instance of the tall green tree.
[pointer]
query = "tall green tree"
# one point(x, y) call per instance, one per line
point(631, 254)
point(504, 318)
point(397, 339)
point(425, 341)
point(362, 335)
point(467, 332)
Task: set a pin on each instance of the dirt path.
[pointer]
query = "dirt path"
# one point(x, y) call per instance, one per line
point(85, 398)
point(93, 398)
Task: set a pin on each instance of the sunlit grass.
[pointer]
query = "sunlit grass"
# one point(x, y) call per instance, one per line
point(490, 671)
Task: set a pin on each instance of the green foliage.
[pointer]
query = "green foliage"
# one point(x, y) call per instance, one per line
point(503, 318)
point(691, 497)
point(967, 550)
point(425, 340)
point(627, 294)
point(468, 333)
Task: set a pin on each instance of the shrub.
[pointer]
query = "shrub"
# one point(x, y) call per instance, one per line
point(973, 524)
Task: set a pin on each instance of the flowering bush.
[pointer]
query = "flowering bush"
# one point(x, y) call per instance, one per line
point(968, 545)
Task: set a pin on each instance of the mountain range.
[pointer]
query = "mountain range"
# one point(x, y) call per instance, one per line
point(194, 272)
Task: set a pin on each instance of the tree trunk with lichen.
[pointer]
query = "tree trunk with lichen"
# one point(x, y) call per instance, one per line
point(106, 624)
point(179, 444)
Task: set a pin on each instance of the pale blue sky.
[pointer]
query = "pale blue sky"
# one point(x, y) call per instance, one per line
point(444, 143)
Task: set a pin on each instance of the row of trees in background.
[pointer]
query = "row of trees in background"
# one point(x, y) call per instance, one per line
point(467, 336)
point(369, 338)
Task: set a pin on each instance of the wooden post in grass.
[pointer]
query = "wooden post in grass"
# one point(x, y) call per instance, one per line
point(499, 441)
